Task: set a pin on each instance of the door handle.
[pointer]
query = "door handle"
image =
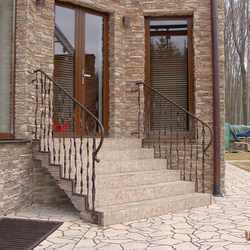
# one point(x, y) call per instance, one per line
point(84, 75)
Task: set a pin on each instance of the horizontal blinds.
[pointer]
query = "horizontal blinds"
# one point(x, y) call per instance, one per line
point(64, 68)
point(168, 75)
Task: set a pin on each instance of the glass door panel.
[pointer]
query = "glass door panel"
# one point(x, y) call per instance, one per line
point(64, 62)
point(81, 65)
point(168, 71)
point(93, 73)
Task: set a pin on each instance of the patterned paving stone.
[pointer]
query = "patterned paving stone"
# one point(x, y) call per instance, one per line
point(221, 226)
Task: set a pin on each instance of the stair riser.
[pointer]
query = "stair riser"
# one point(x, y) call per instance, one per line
point(136, 179)
point(105, 168)
point(136, 213)
point(128, 180)
point(130, 166)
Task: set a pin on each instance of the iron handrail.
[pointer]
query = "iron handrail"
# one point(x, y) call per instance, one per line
point(81, 106)
point(46, 109)
point(186, 111)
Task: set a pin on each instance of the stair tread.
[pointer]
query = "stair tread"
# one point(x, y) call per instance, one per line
point(138, 173)
point(118, 161)
point(132, 160)
point(143, 203)
point(148, 186)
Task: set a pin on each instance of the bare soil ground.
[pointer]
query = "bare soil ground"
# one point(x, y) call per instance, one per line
point(240, 160)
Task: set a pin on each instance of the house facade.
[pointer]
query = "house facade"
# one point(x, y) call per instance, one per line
point(98, 51)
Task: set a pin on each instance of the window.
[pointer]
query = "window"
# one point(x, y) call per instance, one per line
point(169, 66)
point(7, 30)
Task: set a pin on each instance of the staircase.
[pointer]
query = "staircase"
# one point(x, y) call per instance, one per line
point(130, 183)
point(117, 180)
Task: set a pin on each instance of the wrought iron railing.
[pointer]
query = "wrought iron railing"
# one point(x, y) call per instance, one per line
point(175, 134)
point(67, 130)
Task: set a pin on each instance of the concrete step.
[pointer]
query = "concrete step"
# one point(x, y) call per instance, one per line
point(130, 183)
point(108, 143)
point(113, 167)
point(136, 178)
point(144, 209)
point(104, 155)
point(133, 179)
point(108, 197)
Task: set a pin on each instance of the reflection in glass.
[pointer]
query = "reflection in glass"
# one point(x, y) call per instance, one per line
point(169, 65)
point(94, 64)
point(64, 64)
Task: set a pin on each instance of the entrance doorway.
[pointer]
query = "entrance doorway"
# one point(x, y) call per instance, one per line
point(169, 70)
point(81, 62)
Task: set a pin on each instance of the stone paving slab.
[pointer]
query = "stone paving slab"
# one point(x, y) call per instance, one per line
point(219, 226)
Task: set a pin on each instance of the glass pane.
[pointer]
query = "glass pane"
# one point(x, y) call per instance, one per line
point(94, 64)
point(6, 65)
point(168, 68)
point(64, 66)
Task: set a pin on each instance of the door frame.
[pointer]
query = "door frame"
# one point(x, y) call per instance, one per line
point(190, 95)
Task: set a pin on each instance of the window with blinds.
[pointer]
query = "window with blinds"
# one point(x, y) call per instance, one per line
point(7, 35)
point(170, 71)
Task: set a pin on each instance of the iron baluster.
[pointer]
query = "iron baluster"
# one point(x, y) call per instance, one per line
point(148, 120)
point(159, 135)
point(191, 156)
point(197, 157)
point(50, 117)
point(88, 162)
point(75, 159)
point(139, 112)
point(53, 139)
point(41, 121)
point(165, 133)
point(203, 158)
point(184, 153)
point(177, 140)
point(59, 114)
point(81, 155)
point(52, 106)
point(153, 121)
point(173, 132)
point(70, 152)
point(36, 110)
point(94, 217)
point(44, 114)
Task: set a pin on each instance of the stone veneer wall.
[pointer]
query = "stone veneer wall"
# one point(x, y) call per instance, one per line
point(46, 189)
point(19, 177)
point(34, 50)
point(16, 176)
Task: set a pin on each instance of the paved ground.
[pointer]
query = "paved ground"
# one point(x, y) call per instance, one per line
point(222, 225)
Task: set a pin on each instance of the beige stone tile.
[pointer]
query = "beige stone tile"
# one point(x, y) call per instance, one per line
point(135, 245)
point(167, 241)
point(85, 243)
point(156, 247)
point(186, 246)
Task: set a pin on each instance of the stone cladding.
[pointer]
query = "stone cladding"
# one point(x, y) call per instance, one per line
point(35, 48)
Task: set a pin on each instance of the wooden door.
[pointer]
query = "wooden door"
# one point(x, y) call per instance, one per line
point(81, 61)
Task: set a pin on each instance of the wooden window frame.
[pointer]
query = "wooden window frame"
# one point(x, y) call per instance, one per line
point(190, 96)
